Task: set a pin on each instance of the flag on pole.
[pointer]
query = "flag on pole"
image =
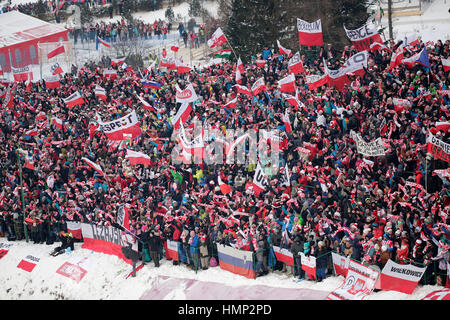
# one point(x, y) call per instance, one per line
point(94, 166)
point(258, 86)
point(74, 99)
point(52, 82)
point(117, 61)
point(100, 92)
point(420, 58)
point(287, 122)
point(147, 106)
point(446, 64)
point(217, 39)
point(287, 84)
point(295, 64)
point(135, 158)
point(182, 114)
point(57, 122)
point(103, 42)
point(231, 104)
point(58, 50)
point(174, 48)
point(224, 188)
point(283, 50)
point(310, 34)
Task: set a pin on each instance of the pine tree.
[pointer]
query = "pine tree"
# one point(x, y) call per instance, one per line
point(252, 24)
point(194, 8)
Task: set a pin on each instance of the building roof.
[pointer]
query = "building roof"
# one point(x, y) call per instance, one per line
point(17, 27)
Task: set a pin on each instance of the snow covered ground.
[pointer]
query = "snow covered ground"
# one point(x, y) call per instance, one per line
point(432, 25)
point(105, 279)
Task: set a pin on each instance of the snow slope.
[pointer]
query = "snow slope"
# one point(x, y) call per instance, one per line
point(105, 279)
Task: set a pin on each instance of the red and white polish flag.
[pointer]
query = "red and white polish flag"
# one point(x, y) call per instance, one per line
point(399, 277)
point(364, 36)
point(284, 255)
point(309, 265)
point(310, 34)
point(181, 115)
point(100, 92)
point(41, 116)
point(315, 81)
point(258, 86)
point(287, 84)
point(57, 122)
point(217, 39)
point(22, 74)
point(103, 42)
point(123, 217)
point(58, 50)
point(174, 48)
point(136, 158)
point(396, 58)
point(74, 99)
point(29, 263)
point(243, 89)
point(32, 132)
point(147, 106)
point(283, 50)
point(287, 122)
point(240, 66)
point(181, 67)
point(295, 64)
point(94, 166)
point(1, 70)
point(446, 64)
point(117, 61)
point(224, 188)
point(442, 126)
point(261, 63)
point(340, 264)
point(119, 128)
point(231, 104)
point(171, 250)
point(74, 227)
point(110, 73)
point(52, 82)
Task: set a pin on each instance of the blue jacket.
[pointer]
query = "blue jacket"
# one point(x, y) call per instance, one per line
point(194, 246)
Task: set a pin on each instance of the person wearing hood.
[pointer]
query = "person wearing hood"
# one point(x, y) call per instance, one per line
point(296, 249)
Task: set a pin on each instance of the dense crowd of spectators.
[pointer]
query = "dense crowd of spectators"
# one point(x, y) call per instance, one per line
point(336, 200)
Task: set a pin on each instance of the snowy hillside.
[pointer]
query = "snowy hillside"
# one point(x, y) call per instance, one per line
point(106, 279)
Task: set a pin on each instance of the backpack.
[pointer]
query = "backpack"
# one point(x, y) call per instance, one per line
point(213, 262)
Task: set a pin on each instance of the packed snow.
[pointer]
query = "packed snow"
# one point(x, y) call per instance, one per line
point(106, 278)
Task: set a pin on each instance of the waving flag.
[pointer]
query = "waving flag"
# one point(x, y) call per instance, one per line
point(396, 58)
point(169, 63)
point(8, 99)
point(243, 89)
point(94, 166)
point(137, 158)
point(287, 122)
point(310, 34)
point(187, 95)
point(217, 39)
point(224, 188)
point(295, 64)
point(121, 128)
point(364, 36)
point(32, 132)
point(240, 66)
point(287, 84)
point(224, 53)
point(109, 73)
point(420, 58)
point(379, 46)
point(259, 180)
point(58, 50)
point(283, 50)
point(1, 70)
point(231, 104)
point(147, 106)
point(57, 122)
point(442, 126)
point(100, 92)
point(52, 82)
point(181, 67)
point(74, 228)
point(147, 84)
point(315, 81)
point(74, 99)
point(41, 116)
point(182, 114)
point(117, 61)
point(174, 48)
point(261, 63)
point(446, 64)
point(103, 42)
point(258, 86)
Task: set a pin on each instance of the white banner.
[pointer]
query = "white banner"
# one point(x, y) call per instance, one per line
point(370, 149)
point(187, 95)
